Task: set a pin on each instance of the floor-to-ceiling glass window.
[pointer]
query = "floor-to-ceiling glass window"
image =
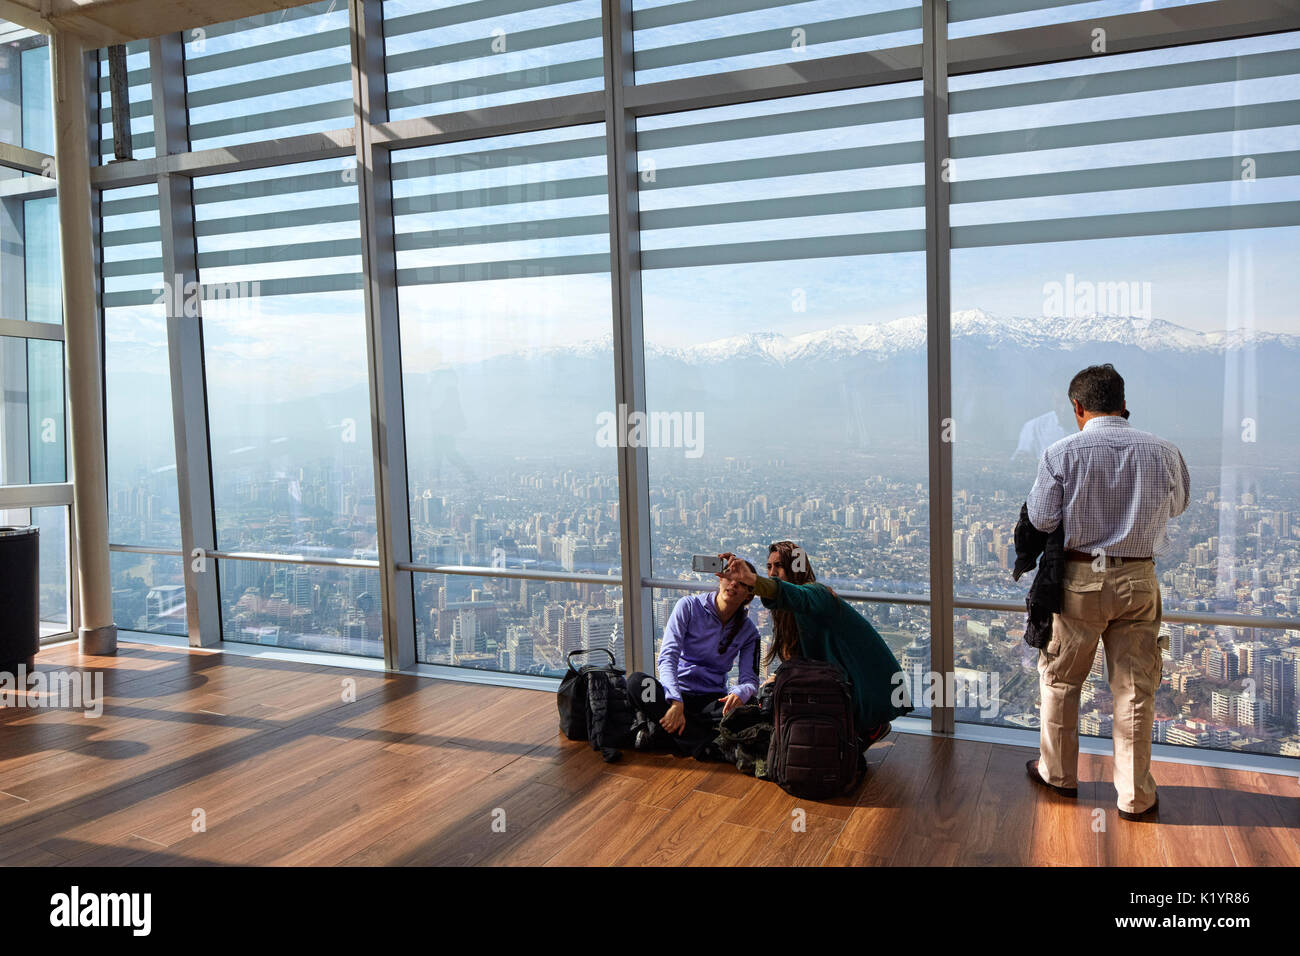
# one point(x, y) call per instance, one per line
point(33, 420)
point(279, 258)
point(508, 367)
point(783, 287)
point(1140, 210)
point(143, 510)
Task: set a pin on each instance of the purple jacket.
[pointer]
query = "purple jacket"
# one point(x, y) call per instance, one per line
point(689, 661)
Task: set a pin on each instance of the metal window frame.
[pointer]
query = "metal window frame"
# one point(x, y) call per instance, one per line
point(185, 346)
point(371, 139)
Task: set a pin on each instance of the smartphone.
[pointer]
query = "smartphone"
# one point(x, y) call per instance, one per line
point(708, 563)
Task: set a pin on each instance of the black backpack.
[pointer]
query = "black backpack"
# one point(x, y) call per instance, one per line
point(594, 706)
point(814, 750)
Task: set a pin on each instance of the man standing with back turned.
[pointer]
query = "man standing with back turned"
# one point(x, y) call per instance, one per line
point(1115, 488)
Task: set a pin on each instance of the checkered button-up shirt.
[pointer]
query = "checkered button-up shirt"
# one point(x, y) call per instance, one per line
point(1115, 487)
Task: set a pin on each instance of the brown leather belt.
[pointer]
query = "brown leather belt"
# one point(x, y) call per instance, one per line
point(1073, 555)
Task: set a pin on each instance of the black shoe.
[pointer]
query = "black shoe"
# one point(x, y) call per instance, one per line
point(1035, 776)
point(1140, 815)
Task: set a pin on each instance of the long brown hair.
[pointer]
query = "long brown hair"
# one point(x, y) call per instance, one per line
point(785, 632)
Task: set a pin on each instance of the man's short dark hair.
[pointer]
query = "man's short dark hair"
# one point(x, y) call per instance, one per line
point(1098, 388)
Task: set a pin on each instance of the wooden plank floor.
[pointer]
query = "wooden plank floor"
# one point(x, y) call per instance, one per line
point(205, 758)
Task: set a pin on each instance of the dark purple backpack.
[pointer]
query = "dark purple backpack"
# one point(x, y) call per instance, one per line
point(814, 750)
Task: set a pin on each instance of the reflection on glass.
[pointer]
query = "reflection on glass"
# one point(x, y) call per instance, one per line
point(508, 624)
point(26, 111)
point(42, 261)
point(503, 290)
point(143, 508)
point(335, 610)
point(148, 593)
point(32, 428)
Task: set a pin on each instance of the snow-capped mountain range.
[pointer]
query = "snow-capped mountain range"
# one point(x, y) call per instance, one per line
point(883, 339)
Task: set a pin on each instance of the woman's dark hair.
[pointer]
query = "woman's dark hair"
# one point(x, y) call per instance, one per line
point(785, 632)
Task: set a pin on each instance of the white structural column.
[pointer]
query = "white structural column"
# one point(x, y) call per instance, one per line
point(97, 633)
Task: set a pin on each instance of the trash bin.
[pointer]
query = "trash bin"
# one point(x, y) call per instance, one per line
point(20, 597)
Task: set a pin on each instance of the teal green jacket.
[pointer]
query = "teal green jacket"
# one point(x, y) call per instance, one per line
point(831, 630)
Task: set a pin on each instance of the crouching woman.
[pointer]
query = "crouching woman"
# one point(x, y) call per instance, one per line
point(810, 620)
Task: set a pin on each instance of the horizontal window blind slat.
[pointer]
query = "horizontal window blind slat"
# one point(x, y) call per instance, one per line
point(450, 15)
point(776, 124)
point(480, 48)
point(781, 250)
point(767, 41)
point(547, 191)
point(131, 237)
point(792, 164)
point(316, 216)
point(284, 83)
point(294, 116)
point(572, 72)
point(531, 231)
point(1109, 178)
point(505, 269)
point(498, 158)
point(251, 255)
point(134, 267)
point(1128, 129)
point(981, 9)
point(261, 53)
point(784, 208)
point(1161, 223)
point(1173, 76)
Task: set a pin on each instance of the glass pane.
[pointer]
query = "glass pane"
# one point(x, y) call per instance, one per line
point(139, 92)
point(53, 523)
point(32, 427)
point(507, 624)
point(972, 17)
point(148, 592)
point(336, 610)
point(1160, 234)
point(445, 58)
point(26, 111)
point(503, 289)
point(681, 38)
point(143, 508)
point(42, 259)
point(279, 256)
point(784, 265)
point(52, 561)
point(272, 75)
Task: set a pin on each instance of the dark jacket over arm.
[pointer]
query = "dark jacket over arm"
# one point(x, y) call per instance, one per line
point(1048, 552)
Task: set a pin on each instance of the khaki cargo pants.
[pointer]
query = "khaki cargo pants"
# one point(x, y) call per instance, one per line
point(1121, 606)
